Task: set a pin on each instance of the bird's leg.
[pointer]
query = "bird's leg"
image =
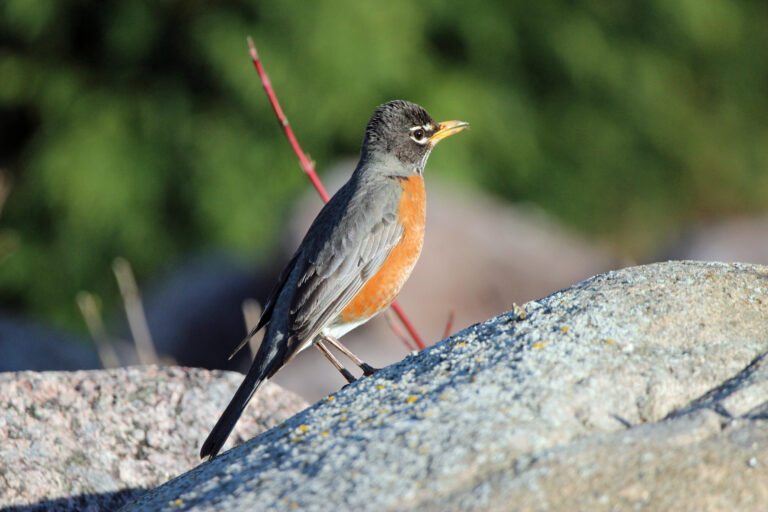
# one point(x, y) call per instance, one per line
point(367, 369)
point(335, 362)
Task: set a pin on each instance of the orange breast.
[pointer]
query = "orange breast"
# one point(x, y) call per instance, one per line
point(383, 287)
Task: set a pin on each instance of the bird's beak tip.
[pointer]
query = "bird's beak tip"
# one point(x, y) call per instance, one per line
point(448, 128)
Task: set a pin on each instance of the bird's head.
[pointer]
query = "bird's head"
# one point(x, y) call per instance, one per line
point(401, 133)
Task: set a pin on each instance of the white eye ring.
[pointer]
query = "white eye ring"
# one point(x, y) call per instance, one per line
point(418, 135)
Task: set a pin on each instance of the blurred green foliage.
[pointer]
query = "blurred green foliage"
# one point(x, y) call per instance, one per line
point(139, 129)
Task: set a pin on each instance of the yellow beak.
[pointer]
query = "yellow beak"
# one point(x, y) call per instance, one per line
point(446, 129)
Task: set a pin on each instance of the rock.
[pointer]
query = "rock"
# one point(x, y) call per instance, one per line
point(91, 440)
point(697, 460)
point(637, 389)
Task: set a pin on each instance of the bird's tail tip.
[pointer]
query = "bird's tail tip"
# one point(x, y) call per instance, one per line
point(210, 448)
point(226, 423)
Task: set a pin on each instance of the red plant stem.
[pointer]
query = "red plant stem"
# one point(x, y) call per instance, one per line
point(309, 169)
point(305, 163)
point(392, 323)
point(408, 325)
point(449, 324)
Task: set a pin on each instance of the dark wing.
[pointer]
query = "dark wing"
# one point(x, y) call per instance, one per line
point(339, 269)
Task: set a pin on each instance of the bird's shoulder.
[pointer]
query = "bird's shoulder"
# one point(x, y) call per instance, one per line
point(362, 206)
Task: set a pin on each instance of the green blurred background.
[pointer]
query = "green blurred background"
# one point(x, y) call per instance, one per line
point(139, 129)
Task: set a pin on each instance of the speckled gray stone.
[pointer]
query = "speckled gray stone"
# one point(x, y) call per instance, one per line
point(91, 440)
point(530, 411)
point(702, 458)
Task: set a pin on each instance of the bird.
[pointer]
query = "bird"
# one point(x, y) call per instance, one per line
point(353, 260)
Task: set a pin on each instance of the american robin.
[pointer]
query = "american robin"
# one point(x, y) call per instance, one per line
point(355, 257)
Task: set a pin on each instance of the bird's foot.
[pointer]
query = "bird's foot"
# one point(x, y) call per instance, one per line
point(347, 375)
point(368, 370)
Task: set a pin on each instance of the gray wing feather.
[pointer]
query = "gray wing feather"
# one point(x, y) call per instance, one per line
point(332, 280)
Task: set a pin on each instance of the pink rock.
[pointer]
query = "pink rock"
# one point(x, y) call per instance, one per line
point(74, 440)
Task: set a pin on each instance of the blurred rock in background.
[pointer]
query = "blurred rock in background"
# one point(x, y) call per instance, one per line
point(195, 314)
point(729, 240)
point(26, 345)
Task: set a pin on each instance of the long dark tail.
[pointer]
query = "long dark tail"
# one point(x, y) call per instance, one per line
point(263, 367)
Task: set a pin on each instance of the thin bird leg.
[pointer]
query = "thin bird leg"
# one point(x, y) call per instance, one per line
point(367, 369)
point(335, 362)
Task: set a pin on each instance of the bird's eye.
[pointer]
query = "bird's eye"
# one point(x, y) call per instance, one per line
point(417, 134)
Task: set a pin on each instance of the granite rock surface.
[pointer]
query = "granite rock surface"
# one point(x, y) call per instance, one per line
point(638, 389)
point(91, 440)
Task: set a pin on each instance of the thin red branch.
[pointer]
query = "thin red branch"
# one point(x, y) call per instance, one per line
point(306, 164)
point(408, 325)
point(308, 168)
point(449, 324)
point(389, 316)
